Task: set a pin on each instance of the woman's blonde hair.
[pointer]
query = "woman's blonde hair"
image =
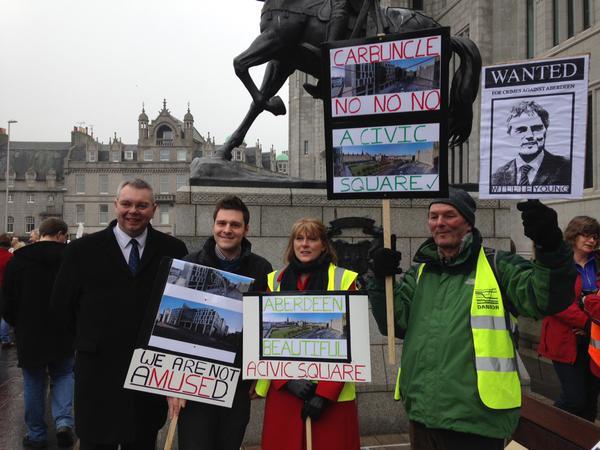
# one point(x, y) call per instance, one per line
point(313, 228)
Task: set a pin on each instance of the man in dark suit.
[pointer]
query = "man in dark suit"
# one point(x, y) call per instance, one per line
point(527, 124)
point(102, 292)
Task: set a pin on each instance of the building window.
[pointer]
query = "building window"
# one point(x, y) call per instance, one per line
point(570, 19)
point(586, 14)
point(588, 173)
point(182, 180)
point(163, 184)
point(182, 155)
point(165, 154)
point(91, 156)
point(148, 155)
point(50, 198)
point(10, 198)
point(530, 31)
point(417, 4)
point(306, 147)
point(102, 214)
point(10, 224)
point(164, 136)
point(116, 156)
point(29, 224)
point(79, 213)
point(103, 184)
point(30, 198)
point(164, 214)
point(80, 184)
point(11, 181)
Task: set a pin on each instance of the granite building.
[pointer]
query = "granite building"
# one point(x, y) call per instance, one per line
point(77, 180)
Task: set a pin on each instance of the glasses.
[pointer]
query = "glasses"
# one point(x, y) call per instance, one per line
point(589, 236)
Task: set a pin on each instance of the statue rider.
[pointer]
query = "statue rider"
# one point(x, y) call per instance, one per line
point(336, 31)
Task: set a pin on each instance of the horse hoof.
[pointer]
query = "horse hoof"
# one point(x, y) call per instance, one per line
point(276, 106)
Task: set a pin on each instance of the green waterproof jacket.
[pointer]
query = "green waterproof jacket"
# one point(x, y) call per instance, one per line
point(438, 381)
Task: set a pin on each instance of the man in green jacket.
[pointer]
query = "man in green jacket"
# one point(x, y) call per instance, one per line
point(459, 379)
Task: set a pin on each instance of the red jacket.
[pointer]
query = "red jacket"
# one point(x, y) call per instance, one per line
point(5, 256)
point(558, 342)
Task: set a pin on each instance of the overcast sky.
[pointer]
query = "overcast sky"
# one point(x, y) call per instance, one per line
point(63, 62)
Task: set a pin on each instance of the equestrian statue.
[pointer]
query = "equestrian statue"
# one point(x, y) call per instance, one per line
point(291, 32)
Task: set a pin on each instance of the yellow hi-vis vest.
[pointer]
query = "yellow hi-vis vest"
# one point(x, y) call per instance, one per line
point(338, 279)
point(495, 357)
point(594, 347)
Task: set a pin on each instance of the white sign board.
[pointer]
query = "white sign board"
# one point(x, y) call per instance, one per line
point(321, 336)
point(533, 129)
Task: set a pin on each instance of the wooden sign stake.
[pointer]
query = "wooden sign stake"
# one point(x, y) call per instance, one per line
point(389, 285)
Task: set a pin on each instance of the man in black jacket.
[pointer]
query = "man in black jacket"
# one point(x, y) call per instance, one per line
point(41, 347)
point(102, 292)
point(201, 425)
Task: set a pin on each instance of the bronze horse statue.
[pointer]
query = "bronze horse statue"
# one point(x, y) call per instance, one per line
point(290, 34)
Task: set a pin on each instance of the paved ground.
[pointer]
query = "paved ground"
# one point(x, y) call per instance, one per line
point(543, 381)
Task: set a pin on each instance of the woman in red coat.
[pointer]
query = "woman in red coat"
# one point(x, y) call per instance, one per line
point(330, 405)
point(565, 336)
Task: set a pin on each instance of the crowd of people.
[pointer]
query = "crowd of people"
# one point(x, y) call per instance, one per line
point(77, 309)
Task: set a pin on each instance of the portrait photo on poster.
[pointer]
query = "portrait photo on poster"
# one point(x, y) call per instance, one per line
point(531, 146)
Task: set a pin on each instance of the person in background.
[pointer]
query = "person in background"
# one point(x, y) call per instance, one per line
point(43, 349)
point(34, 236)
point(331, 405)
point(5, 256)
point(566, 336)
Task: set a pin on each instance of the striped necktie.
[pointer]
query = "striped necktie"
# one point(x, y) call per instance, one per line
point(524, 179)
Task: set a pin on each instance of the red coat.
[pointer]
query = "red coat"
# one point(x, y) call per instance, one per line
point(283, 427)
point(5, 256)
point(557, 341)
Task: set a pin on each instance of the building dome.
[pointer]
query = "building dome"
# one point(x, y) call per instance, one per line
point(282, 157)
point(143, 117)
point(188, 115)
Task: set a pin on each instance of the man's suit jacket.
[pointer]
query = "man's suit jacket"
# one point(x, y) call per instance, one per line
point(103, 305)
point(553, 170)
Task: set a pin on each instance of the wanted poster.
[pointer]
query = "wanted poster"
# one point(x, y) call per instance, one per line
point(533, 129)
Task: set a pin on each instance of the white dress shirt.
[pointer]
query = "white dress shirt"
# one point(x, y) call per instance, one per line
point(124, 241)
point(534, 164)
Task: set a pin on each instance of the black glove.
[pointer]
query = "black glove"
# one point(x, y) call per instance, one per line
point(303, 389)
point(540, 224)
point(385, 262)
point(314, 407)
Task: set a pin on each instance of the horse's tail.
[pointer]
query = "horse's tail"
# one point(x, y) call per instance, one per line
point(465, 86)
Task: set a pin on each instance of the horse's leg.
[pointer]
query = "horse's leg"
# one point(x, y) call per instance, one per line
point(263, 49)
point(275, 76)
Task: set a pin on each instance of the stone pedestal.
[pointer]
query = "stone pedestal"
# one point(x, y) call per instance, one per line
point(272, 213)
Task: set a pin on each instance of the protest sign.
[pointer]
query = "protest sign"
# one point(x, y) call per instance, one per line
point(386, 116)
point(314, 336)
point(191, 336)
point(533, 129)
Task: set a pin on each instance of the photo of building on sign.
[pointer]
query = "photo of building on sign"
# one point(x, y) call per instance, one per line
point(420, 158)
point(305, 326)
point(197, 324)
point(210, 280)
point(386, 77)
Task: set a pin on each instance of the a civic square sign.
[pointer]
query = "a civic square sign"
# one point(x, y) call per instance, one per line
point(533, 129)
point(386, 116)
point(190, 341)
point(304, 335)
